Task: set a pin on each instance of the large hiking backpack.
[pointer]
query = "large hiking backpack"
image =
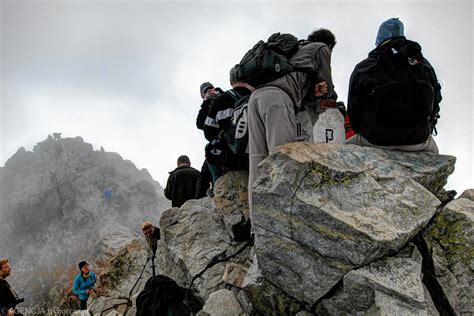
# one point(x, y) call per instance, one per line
point(267, 61)
point(162, 296)
point(402, 94)
point(237, 134)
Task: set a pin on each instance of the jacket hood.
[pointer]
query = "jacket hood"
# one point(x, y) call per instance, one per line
point(393, 42)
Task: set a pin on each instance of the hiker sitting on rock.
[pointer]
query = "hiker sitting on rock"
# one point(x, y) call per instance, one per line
point(394, 95)
point(181, 184)
point(8, 297)
point(84, 284)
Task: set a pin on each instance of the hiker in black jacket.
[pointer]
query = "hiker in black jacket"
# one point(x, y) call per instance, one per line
point(209, 173)
point(181, 185)
point(402, 114)
point(8, 297)
point(221, 111)
point(220, 116)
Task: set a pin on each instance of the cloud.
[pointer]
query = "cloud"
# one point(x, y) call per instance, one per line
point(125, 75)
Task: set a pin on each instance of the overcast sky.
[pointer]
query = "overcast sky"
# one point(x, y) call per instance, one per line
point(125, 75)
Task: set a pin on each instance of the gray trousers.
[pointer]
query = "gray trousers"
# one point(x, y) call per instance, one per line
point(428, 145)
point(271, 117)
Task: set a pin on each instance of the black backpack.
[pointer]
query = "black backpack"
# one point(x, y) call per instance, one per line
point(237, 134)
point(216, 151)
point(267, 61)
point(402, 94)
point(162, 296)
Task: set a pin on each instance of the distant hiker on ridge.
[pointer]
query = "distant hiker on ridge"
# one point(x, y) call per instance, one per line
point(394, 95)
point(8, 297)
point(181, 184)
point(84, 284)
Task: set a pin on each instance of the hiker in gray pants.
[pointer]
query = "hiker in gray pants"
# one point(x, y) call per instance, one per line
point(271, 109)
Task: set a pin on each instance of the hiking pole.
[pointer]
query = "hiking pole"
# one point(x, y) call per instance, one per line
point(153, 266)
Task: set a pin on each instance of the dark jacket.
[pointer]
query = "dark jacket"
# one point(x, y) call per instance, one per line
point(8, 298)
point(221, 112)
point(204, 110)
point(81, 285)
point(363, 119)
point(203, 183)
point(181, 185)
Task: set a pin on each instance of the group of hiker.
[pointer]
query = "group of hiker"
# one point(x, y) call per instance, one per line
point(282, 92)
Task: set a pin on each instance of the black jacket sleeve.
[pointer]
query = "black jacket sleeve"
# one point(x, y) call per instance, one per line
point(354, 100)
point(201, 118)
point(211, 126)
point(7, 299)
point(169, 187)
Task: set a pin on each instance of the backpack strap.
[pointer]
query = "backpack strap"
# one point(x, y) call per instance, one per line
point(234, 94)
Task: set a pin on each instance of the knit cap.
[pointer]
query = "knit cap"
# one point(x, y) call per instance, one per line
point(204, 87)
point(389, 29)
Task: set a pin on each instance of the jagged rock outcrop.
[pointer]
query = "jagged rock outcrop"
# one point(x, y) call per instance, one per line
point(120, 279)
point(388, 286)
point(332, 229)
point(197, 246)
point(222, 303)
point(64, 202)
point(449, 242)
point(321, 211)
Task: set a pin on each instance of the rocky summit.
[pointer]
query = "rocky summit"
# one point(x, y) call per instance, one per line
point(336, 230)
point(65, 202)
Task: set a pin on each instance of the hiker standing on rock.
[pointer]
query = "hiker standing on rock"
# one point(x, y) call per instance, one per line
point(8, 297)
point(209, 173)
point(227, 123)
point(84, 284)
point(182, 182)
point(271, 115)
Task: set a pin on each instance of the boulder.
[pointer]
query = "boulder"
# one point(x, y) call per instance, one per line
point(231, 200)
point(392, 285)
point(223, 303)
point(322, 210)
point(266, 298)
point(450, 254)
point(468, 194)
point(196, 247)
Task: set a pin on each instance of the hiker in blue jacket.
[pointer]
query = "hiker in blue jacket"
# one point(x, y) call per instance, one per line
point(84, 284)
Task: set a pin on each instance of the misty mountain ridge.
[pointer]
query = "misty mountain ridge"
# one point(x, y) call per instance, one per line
point(62, 203)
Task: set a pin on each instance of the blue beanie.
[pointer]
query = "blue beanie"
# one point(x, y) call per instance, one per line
point(389, 29)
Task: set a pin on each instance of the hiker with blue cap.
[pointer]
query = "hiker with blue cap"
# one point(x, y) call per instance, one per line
point(394, 95)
